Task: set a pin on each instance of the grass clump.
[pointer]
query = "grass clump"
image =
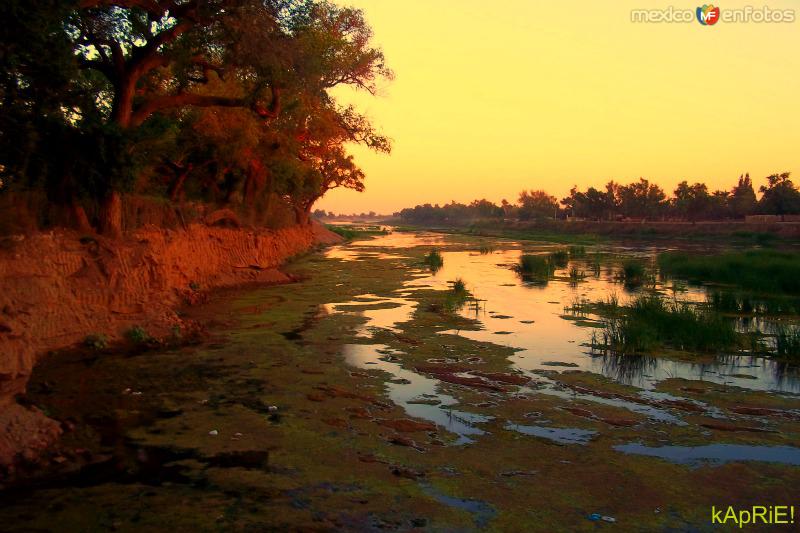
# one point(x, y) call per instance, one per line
point(632, 273)
point(769, 271)
point(486, 249)
point(577, 251)
point(459, 286)
point(787, 341)
point(349, 233)
point(138, 335)
point(559, 258)
point(650, 323)
point(576, 275)
point(434, 260)
point(535, 267)
point(455, 299)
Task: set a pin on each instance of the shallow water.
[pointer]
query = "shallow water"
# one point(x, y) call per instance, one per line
point(533, 320)
point(532, 317)
point(716, 453)
point(294, 414)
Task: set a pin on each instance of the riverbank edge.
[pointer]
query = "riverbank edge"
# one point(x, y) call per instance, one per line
point(588, 232)
point(60, 287)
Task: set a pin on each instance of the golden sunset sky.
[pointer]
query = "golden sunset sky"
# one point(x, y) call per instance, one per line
point(494, 97)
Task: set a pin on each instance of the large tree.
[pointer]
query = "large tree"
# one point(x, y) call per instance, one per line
point(536, 204)
point(250, 57)
point(743, 198)
point(779, 196)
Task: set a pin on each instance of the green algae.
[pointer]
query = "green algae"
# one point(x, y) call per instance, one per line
point(330, 465)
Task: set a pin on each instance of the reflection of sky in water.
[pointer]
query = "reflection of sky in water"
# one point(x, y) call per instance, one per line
point(386, 318)
point(716, 453)
point(531, 319)
point(553, 338)
point(419, 388)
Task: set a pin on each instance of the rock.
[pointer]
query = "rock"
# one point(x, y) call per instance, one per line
point(213, 432)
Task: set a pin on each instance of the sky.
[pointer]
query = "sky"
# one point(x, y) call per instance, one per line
point(490, 98)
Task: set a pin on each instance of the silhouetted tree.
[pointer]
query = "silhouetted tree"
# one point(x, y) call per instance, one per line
point(743, 198)
point(536, 204)
point(779, 196)
point(692, 202)
point(642, 199)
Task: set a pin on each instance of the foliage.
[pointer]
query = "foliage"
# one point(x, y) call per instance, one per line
point(650, 323)
point(632, 272)
point(761, 270)
point(577, 251)
point(351, 232)
point(536, 205)
point(224, 102)
point(787, 341)
point(779, 196)
point(434, 260)
point(536, 268)
point(559, 258)
point(637, 200)
point(138, 335)
point(96, 342)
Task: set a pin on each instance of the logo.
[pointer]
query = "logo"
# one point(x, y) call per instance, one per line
point(708, 15)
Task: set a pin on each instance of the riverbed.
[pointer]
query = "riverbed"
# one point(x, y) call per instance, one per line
point(361, 398)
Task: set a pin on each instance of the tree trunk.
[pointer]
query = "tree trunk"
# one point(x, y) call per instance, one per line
point(300, 215)
point(111, 215)
point(122, 109)
point(78, 218)
point(176, 188)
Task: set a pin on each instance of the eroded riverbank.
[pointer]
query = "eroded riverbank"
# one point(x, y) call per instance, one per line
point(362, 399)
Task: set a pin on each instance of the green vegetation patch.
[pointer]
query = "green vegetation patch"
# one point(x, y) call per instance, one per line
point(759, 270)
point(650, 323)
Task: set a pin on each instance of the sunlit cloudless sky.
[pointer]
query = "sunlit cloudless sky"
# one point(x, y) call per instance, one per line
point(491, 98)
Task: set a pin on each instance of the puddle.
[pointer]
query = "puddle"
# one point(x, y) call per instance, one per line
point(715, 453)
point(408, 389)
point(381, 312)
point(557, 435)
point(481, 511)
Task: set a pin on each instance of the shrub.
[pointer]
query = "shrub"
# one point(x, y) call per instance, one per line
point(632, 273)
point(138, 335)
point(534, 267)
point(434, 260)
point(96, 341)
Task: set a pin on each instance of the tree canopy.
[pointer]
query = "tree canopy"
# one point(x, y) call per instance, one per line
point(225, 101)
point(639, 200)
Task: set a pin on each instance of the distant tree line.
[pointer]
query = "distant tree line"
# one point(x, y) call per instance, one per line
point(221, 101)
point(640, 200)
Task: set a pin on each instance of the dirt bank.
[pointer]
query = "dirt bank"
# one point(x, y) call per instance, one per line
point(58, 287)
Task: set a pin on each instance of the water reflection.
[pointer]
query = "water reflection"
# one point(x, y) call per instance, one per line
point(409, 390)
point(534, 318)
point(716, 453)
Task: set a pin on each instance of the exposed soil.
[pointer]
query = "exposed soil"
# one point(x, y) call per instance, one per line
point(60, 287)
